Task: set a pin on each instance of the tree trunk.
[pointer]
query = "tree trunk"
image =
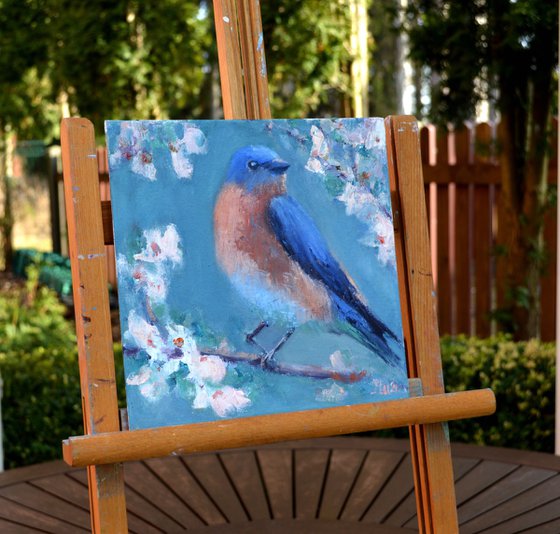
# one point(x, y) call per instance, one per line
point(359, 48)
point(524, 163)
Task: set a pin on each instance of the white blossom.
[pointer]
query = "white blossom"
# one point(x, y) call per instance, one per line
point(161, 247)
point(211, 369)
point(227, 400)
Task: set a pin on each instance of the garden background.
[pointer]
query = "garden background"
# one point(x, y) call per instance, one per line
point(451, 64)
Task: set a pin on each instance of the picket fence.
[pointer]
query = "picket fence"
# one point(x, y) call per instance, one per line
point(462, 182)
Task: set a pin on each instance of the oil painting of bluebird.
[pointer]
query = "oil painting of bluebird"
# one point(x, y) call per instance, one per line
point(256, 267)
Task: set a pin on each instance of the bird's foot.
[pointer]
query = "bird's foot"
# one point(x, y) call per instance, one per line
point(266, 358)
point(250, 337)
point(267, 354)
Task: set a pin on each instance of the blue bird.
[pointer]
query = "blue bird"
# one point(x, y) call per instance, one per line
point(277, 258)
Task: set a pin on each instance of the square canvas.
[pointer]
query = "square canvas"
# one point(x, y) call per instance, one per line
point(256, 267)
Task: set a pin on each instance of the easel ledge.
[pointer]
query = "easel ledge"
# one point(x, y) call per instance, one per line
point(115, 447)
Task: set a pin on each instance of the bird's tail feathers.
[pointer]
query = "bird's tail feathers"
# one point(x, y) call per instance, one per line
point(368, 330)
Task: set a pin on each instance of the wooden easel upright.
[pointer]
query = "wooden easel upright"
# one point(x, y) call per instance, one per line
point(105, 447)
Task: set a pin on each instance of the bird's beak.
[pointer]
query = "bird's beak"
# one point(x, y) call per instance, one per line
point(276, 166)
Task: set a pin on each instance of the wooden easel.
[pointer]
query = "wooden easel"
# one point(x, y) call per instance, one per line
point(104, 447)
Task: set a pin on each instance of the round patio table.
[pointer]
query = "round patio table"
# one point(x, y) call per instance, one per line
point(328, 486)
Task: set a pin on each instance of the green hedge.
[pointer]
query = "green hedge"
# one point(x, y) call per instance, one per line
point(41, 404)
point(522, 376)
point(38, 364)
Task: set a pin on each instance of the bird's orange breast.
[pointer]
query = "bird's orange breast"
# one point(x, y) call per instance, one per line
point(246, 247)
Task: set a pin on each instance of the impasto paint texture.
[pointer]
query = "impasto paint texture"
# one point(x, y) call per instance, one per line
point(256, 267)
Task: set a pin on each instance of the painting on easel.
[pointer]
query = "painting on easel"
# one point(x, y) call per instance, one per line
point(256, 267)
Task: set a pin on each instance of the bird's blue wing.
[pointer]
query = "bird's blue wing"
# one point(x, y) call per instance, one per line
point(303, 242)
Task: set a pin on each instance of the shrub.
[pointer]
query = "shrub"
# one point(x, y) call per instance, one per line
point(41, 404)
point(522, 376)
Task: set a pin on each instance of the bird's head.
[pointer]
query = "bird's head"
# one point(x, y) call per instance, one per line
point(252, 167)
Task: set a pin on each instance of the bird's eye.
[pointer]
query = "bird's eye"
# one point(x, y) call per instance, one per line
point(252, 165)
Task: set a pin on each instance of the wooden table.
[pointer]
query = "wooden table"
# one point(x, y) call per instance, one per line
point(334, 485)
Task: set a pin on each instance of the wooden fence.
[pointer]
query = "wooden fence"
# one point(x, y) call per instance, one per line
point(462, 181)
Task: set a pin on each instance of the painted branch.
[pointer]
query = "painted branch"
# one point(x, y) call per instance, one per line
point(232, 433)
point(310, 371)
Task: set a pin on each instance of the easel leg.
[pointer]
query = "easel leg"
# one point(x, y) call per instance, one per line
point(418, 454)
point(107, 505)
point(433, 479)
point(93, 321)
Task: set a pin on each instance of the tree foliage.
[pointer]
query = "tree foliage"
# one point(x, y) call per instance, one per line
point(105, 58)
point(307, 55)
point(129, 59)
point(135, 59)
point(23, 61)
point(473, 49)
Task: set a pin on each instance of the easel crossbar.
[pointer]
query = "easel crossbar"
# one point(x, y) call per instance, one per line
point(114, 447)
